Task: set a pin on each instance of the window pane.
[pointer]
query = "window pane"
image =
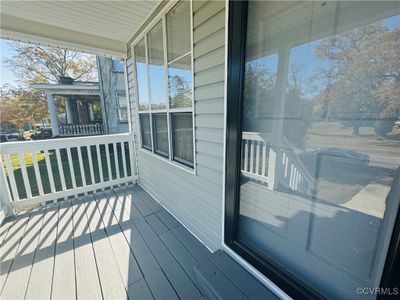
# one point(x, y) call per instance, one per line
point(182, 125)
point(141, 73)
point(160, 133)
point(178, 30)
point(122, 108)
point(156, 68)
point(320, 148)
point(145, 130)
point(180, 83)
point(117, 65)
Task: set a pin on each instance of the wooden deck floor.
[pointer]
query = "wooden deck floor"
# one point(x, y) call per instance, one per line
point(116, 244)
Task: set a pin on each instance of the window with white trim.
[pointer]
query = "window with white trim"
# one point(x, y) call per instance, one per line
point(122, 107)
point(164, 81)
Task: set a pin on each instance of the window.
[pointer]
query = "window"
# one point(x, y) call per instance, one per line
point(122, 108)
point(160, 127)
point(182, 129)
point(164, 77)
point(117, 65)
point(145, 131)
point(312, 185)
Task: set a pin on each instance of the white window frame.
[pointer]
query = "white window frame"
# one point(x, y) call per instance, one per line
point(161, 17)
point(122, 94)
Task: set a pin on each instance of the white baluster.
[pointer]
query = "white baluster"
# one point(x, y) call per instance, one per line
point(37, 173)
point(25, 178)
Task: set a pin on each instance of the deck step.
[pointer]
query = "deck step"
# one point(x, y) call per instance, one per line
point(220, 277)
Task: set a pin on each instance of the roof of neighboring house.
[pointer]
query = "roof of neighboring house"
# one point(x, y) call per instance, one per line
point(77, 88)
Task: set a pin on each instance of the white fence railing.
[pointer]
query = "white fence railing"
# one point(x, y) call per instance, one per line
point(81, 129)
point(40, 171)
point(294, 174)
point(283, 167)
point(255, 156)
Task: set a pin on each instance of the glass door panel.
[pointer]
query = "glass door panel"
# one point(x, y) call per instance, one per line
point(321, 139)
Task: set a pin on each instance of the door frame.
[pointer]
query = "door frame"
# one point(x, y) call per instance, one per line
point(290, 284)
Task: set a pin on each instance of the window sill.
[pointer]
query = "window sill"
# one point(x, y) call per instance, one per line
point(170, 162)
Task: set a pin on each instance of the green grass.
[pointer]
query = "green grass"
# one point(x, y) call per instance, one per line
point(66, 169)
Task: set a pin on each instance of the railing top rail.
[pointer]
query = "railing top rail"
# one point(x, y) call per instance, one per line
point(28, 146)
point(256, 136)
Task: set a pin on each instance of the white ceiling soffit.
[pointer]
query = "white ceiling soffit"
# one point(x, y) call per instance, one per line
point(99, 27)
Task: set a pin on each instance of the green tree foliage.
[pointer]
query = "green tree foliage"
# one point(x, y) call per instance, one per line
point(180, 91)
point(363, 79)
point(36, 64)
point(19, 105)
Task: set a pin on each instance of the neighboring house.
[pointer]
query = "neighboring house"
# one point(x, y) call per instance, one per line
point(112, 88)
point(89, 108)
point(240, 128)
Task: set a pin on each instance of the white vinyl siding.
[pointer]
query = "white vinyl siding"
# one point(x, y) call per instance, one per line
point(195, 199)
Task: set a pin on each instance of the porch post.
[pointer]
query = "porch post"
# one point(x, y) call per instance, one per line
point(275, 157)
point(69, 110)
point(55, 128)
point(91, 113)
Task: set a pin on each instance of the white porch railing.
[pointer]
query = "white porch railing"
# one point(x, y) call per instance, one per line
point(81, 129)
point(40, 171)
point(255, 158)
point(281, 167)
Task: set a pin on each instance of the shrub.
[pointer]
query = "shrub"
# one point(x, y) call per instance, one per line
point(382, 127)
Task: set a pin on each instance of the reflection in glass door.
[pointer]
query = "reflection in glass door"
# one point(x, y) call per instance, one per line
point(320, 141)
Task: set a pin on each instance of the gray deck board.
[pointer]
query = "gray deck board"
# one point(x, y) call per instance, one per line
point(156, 224)
point(87, 281)
point(117, 244)
point(112, 285)
point(181, 254)
point(145, 258)
point(64, 264)
point(167, 219)
point(21, 266)
point(5, 226)
point(139, 290)
point(42, 270)
point(247, 283)
point(184, 286)
point(160, 286)
point(126, 262)
point(215, 283)
point(10, 246)
point(191, 243)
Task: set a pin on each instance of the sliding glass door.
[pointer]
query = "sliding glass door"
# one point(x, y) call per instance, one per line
point(313, 195)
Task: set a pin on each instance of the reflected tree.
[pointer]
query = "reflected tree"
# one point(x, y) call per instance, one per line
point(362, 82)
point(180, 91)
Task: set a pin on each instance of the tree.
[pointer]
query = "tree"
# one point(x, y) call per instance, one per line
point(180, 91)
point(362, 82)
point(36, 64)
point(20, 105)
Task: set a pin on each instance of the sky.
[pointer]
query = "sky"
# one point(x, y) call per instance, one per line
point(302, 55)
point(6, 76)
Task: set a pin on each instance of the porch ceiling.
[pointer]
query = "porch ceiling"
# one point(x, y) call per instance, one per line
point(100, 27)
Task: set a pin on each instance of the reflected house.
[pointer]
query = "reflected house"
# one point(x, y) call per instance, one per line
point(262, 159)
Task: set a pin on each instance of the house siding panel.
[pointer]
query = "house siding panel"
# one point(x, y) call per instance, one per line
point(195, 200)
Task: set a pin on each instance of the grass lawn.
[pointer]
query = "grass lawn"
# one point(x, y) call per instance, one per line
point(65, 166)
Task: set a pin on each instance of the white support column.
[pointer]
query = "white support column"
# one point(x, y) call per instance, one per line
point(91, 113)
point(53, 115)
point(275, 166)
point(69, 110)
